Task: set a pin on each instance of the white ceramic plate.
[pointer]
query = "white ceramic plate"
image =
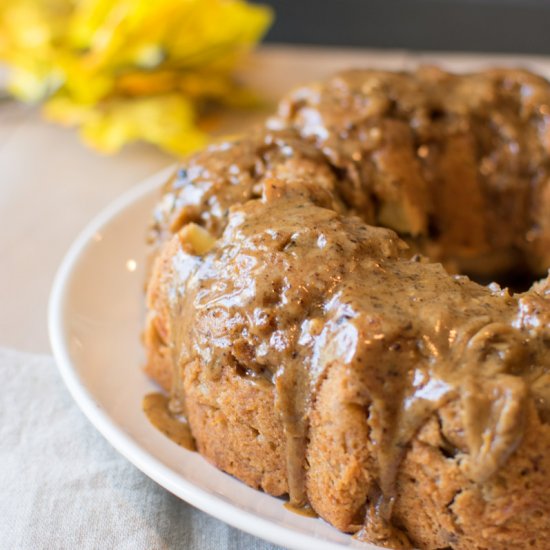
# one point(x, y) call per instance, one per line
point(95, 319)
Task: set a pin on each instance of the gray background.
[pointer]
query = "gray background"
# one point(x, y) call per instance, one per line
point(521, 26)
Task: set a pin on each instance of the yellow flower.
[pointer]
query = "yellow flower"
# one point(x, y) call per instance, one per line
point(124, 70)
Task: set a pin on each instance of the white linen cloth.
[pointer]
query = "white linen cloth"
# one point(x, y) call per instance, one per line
point(62, 486)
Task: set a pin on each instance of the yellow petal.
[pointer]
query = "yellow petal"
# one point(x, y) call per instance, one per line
point(65, 111)
point(129, 69)
point(166, 121)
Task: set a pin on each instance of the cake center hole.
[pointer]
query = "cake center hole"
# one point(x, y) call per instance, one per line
point(516, 281)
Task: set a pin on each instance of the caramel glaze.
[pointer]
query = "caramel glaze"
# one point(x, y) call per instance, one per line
point(306, 511)
point(443, 159)
point(156, 407)
point(293, 288)
point(468, 152)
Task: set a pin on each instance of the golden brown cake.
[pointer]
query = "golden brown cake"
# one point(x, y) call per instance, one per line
point(317, 355)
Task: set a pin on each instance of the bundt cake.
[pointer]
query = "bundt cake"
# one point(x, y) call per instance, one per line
point(316, 351)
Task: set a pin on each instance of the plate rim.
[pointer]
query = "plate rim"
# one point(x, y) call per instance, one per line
point(124, 444)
